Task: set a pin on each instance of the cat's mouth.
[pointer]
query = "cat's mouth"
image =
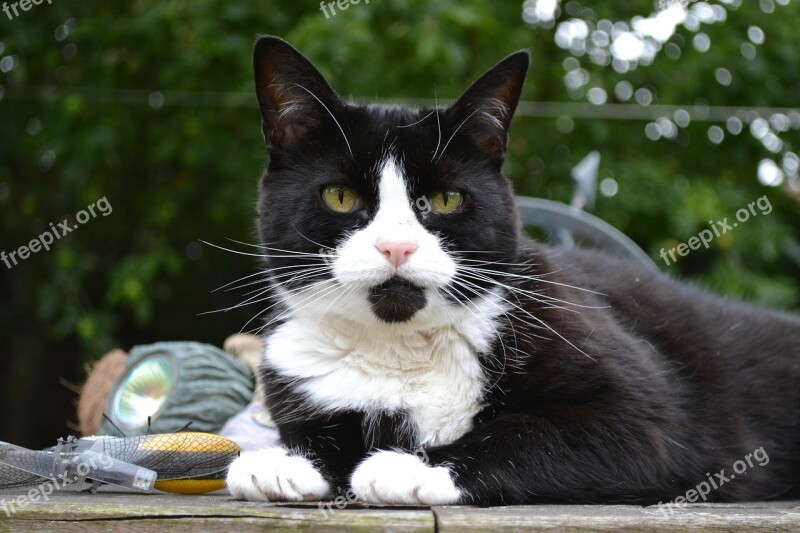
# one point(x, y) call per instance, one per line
point(396, 300)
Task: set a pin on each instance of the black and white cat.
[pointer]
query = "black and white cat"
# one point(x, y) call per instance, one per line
point(412, 312)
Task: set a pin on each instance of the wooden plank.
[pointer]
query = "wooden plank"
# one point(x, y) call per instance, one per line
point(66, 511)
point(197, 525)
point(104, 511)
point(771, 516)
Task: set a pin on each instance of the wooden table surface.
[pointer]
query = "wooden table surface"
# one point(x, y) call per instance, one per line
point(114, 511)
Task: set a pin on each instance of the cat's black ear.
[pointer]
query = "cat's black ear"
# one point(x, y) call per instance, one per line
point(485, 110)
point(293, 95)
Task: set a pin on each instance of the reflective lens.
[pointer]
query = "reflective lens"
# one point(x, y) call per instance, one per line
point(143, 392)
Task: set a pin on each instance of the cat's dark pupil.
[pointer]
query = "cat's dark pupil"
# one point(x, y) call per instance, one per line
point(341, 195)
point(445, 196)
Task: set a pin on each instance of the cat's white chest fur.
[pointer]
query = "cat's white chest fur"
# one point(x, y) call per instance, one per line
point(433, 376)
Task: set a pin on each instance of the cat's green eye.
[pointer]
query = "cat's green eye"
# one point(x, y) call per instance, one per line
point(446, 202)
point(340, 198)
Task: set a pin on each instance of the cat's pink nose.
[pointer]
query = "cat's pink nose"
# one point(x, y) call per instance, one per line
point(396, 253)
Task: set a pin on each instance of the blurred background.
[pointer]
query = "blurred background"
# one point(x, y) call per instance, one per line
point(693, 107)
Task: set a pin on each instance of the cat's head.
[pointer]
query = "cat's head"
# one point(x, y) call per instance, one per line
point(382, 213)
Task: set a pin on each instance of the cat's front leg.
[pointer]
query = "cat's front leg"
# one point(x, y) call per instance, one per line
point(276, 474)
point(320, 456)
point(518, 459)
point(404, 478)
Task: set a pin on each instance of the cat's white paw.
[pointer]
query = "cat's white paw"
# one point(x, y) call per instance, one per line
point(402, 478)
point(274, 475)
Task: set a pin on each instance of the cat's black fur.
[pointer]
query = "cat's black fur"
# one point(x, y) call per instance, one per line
point(649, 386)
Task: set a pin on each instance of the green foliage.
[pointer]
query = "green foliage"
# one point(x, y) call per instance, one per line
point(149, 104)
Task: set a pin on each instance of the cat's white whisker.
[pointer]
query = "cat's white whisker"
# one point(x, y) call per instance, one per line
point(238, 280)
point(265, 247)
point(332, 116)
point(296, 308)
point(483, 317)
point(321, 246)
point(257, 289)
point(546, 325)
point(515, 348)
point(293, 278)
point(417, 122)
point(536, 296)
point(344, 294)
point(537, 278)
point(299, 273)
point(454, 133)
point(277, 301)
point(438, 122)
point(301, 262)
point(270, 277)
point(476, 263)
point(229, 250)
point(265, 279)
point(298, 255)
